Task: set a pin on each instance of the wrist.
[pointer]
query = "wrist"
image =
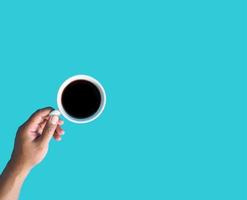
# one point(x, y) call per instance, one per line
point(18, 169)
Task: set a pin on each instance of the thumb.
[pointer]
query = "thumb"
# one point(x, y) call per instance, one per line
point(49, 129)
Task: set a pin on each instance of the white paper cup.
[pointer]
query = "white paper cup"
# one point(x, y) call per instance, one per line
point(94, 82)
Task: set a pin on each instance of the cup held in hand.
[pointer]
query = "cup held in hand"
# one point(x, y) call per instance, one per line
point(81, 99)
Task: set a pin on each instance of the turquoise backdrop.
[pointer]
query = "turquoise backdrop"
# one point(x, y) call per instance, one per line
point(175, 75)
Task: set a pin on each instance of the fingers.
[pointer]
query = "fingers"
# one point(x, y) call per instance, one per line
point(58, 134)
point(45, 125)
point(59, 131)
point(49, 129)
point(57, 137)
point(38, 117)
point(42, 125)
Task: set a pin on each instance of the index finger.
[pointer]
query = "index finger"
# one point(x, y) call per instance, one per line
point(38, 116)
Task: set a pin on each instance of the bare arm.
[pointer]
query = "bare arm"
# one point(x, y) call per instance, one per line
point(31, 146)
point(11, 181)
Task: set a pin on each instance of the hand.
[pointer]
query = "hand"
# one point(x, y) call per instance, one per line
point(33, 137)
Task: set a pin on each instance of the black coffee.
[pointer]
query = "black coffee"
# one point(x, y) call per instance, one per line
point(81, 99)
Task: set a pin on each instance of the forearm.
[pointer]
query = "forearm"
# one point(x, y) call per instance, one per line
point(11, 181)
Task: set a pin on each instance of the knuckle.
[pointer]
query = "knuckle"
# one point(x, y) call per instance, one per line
point(38, 111)
point(47, 108)
point(21, 128)
point(50, 128)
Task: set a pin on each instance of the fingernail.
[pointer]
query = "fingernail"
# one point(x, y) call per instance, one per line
point(54, 119)
point(55, 112)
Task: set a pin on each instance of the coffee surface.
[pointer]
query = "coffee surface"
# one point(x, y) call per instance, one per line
point(81, 99)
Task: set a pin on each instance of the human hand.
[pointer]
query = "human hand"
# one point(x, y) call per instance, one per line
point(33, 137)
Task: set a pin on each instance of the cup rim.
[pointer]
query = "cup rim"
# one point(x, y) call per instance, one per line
point(87, 78)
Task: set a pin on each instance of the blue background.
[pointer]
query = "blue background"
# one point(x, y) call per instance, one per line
point(175, 75)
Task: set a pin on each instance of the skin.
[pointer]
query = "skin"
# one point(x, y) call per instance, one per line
point(31, 146)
